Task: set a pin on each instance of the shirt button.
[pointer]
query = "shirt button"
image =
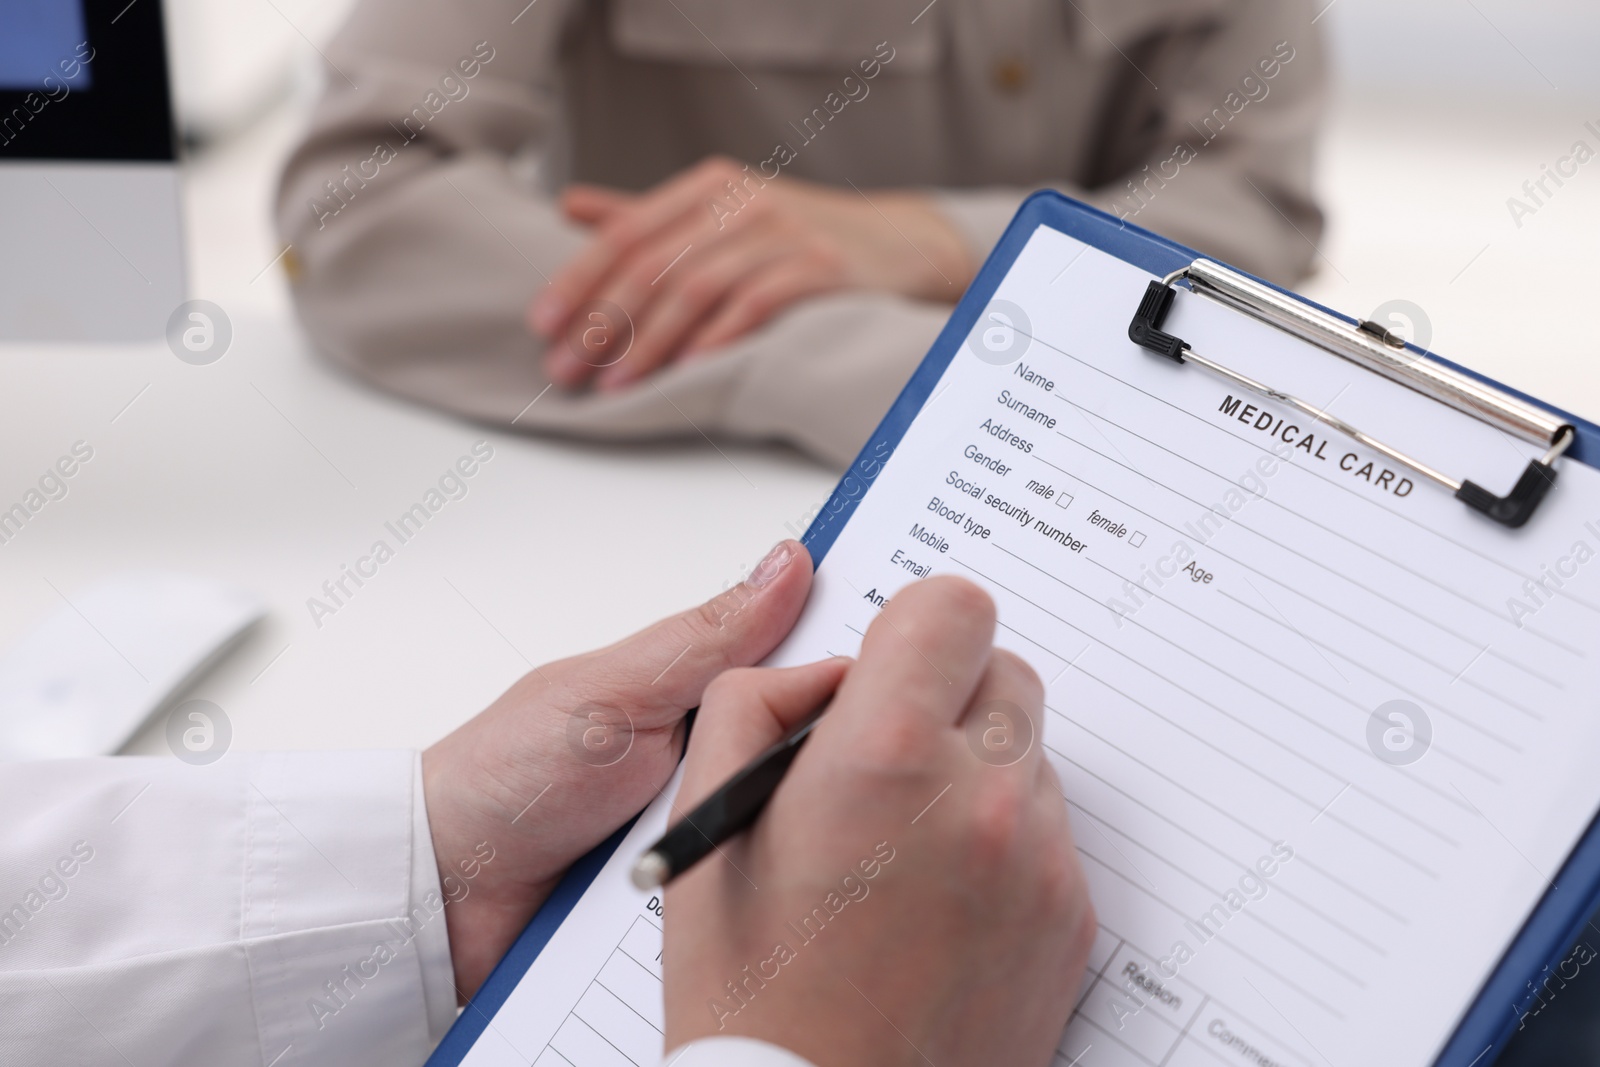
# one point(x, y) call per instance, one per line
point(1011, 75)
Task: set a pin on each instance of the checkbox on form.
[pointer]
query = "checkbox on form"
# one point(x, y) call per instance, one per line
point(1063, 499)
point(1136, 538)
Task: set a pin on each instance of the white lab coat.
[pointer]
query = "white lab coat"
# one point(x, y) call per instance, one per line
point(276, 910)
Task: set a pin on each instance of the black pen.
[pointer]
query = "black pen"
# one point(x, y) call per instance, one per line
point(726, 812)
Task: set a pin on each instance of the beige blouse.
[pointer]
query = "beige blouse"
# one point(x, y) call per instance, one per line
point(420, 208)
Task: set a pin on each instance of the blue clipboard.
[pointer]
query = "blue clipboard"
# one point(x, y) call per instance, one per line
point(1545, 937)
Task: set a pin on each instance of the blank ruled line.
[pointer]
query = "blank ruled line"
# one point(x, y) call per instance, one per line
point(1311, 721)
point(1353, 622)
point(1214, 892)
point(1364, 544)
point(574, 1015)
point(1360, 832)
point(1162, 677)
point(1442, 668)
point(1310, 803)
point(1420, 783)
point(1348, 976)
point(1210, 847)
point(1224, 812)
point(625, 1004)
point(1073, 1062)
point(1040, 645)
point(1329, 876)
point(1284, 619)
point(1485, 731)
point(1501, 698)
point(1094, 825)
point(1107, 1035)
point(1236, 864)
point(628, 955)
point(1219, 939)
point(637, 962)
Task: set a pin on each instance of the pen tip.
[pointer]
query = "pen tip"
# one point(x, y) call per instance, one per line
point(651, 871)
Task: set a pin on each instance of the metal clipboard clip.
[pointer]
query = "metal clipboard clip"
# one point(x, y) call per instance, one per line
point(1377, 349)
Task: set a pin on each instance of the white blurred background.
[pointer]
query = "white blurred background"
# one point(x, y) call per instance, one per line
point(1443, 109)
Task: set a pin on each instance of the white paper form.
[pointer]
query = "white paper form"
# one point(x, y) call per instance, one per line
point(1325, 733)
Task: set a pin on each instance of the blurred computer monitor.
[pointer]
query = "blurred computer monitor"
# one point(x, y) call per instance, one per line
point(90, 231)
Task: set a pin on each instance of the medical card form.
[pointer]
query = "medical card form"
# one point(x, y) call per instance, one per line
point(1326, 735)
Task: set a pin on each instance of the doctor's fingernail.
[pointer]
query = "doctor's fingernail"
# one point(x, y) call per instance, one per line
point(773, 565)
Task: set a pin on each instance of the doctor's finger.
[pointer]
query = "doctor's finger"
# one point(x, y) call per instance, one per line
point(920, 663)
point(663, 670)
point(745, 712)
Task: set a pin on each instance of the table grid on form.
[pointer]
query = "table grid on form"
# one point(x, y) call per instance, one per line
point(617, 1021)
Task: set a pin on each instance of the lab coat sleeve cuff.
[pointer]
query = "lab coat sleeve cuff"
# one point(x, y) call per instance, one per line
point(432, 941)
point(733, 1052)
point(344, 921)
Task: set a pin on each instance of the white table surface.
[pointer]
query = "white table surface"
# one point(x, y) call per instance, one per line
point(238, 471)
point(269, 470)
